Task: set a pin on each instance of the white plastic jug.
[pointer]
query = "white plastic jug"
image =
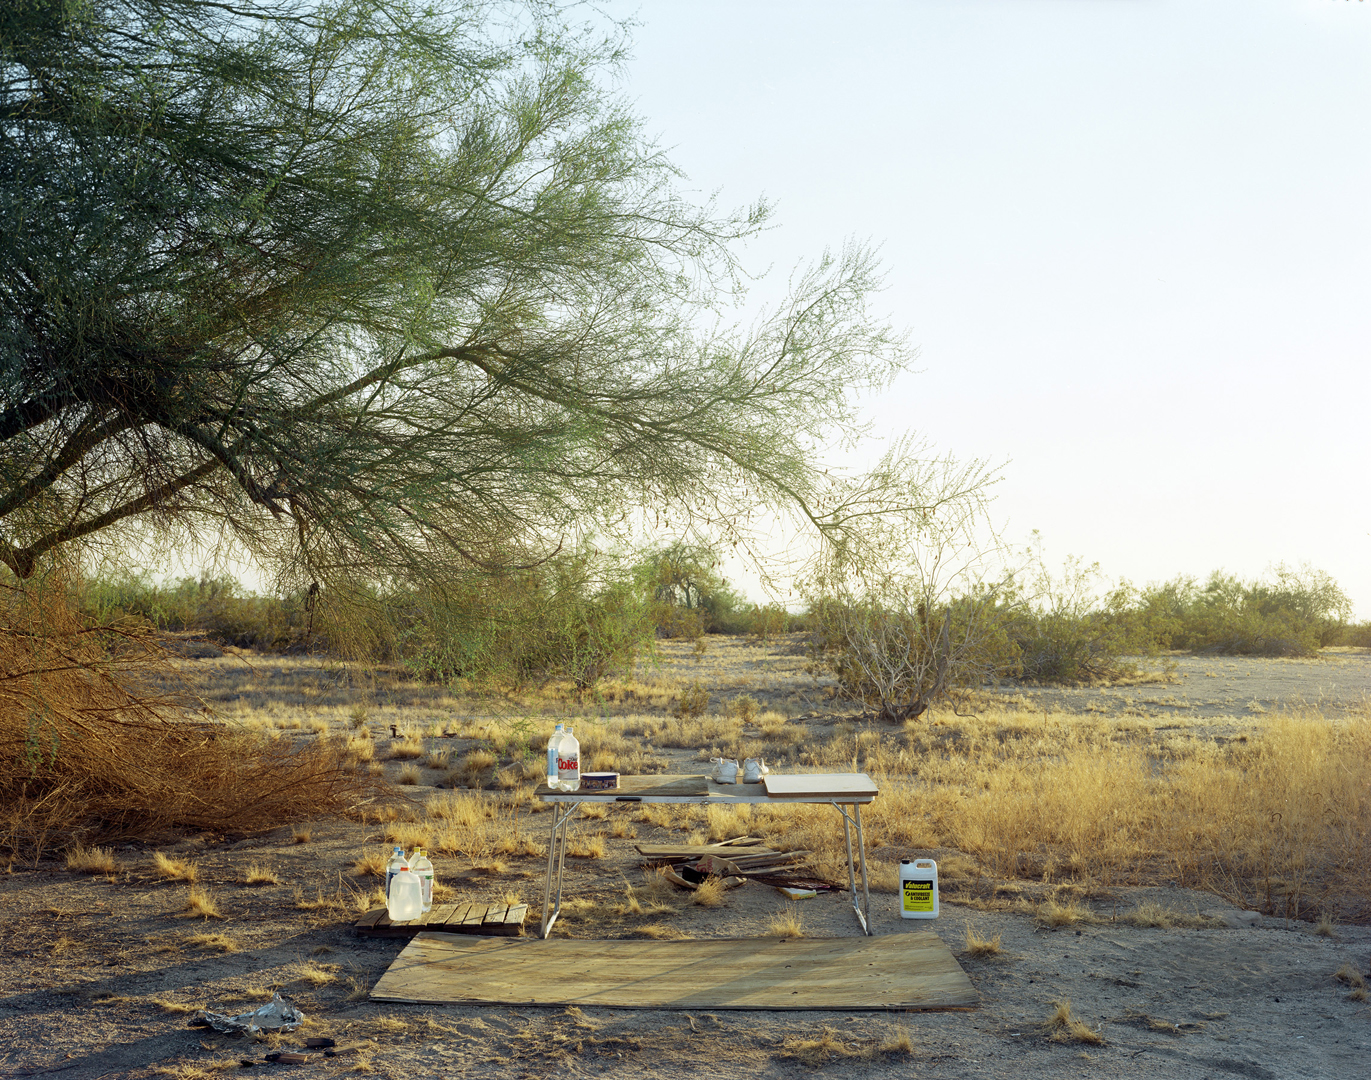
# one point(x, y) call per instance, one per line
point(406, 897)
point(918, 889)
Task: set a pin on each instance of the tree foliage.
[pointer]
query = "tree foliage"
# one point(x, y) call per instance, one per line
point(378, 291)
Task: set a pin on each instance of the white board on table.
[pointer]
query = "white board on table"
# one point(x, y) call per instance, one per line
point(811, 785)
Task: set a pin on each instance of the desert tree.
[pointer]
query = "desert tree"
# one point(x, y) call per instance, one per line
point(378, 292)
point(908, 601)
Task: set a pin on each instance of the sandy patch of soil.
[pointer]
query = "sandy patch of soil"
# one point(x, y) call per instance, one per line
point(96, 969)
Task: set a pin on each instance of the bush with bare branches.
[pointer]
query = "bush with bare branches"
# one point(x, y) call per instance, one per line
point(88, 752)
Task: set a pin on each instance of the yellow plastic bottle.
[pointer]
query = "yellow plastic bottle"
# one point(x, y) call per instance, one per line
point(918, 889)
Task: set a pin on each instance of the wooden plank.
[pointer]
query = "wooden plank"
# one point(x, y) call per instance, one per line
point(818, 785)
point(474, 917)
point(639, 786)
point(694, 851)
point(495, 914)
point(903, 970)
point(367, 921)
point(440, 915)
point(514, 918)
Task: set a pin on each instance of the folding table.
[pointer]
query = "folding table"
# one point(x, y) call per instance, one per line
point(845, 792)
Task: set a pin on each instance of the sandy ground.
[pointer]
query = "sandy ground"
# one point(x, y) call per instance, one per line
point(95, 970)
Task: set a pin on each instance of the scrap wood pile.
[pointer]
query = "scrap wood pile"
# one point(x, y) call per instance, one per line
point(736, 861)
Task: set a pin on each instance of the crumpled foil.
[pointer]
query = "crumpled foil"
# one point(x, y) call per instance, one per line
point(275, 1015)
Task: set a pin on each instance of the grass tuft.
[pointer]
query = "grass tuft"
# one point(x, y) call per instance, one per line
point(980, 946)
point(1063, 1027)
point(200, 904)
point(95, 860)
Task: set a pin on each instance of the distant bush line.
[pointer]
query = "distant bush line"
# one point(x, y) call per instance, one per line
point(584, 617)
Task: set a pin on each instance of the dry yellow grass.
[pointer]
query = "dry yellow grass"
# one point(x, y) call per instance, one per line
point(260, 874)
point(201, 904)
point(316, 974)
point(405, 749)
point(979, 946)
point(218, 942)
point(373, 863)
point(833, 1046)
point(169, 868)
point(301, 834)
point(1062, 1026)
point(586, 847)
point(410, 775)
point(787, 923)
point(95, 860)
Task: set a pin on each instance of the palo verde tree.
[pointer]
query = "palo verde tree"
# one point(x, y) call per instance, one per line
point(378, 291)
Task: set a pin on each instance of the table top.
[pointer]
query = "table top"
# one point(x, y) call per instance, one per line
point(784, 788)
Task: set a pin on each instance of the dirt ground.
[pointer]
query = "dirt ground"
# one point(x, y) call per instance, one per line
point(99, 974)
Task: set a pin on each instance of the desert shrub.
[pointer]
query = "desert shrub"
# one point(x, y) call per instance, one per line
point(692, 702)
point(688, 595)
point(580, 617)
point(1292, 613)
point(215, 606)
point(766, 621)
point(88, 752)
point(899, 655)
point(1065, 632)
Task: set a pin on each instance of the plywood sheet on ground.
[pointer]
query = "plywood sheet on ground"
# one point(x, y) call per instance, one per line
point(910, 970)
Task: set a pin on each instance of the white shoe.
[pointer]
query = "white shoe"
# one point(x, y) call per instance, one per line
point(753, 770)
point(725, 770)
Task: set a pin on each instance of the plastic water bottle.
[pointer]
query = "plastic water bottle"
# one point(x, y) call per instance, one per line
point(552, 745)
point(396, 864)
point(420, 864)
point(569, 762)
point(406, 896)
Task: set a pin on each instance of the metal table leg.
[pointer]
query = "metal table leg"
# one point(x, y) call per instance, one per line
point(556, 858)
point(849, 820)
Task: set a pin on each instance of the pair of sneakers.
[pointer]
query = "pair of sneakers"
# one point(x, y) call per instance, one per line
point(726, 770)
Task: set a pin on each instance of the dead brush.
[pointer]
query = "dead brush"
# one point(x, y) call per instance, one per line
point(982, 947)
point(830, 1046)
point(169, 868)
point(96, 860)
point(127, 762)
point(1063, 1027)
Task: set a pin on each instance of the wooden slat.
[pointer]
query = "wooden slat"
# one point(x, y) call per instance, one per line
point(495, 914)
point(370, 918)
point(904, 970)
point(694, 851)
point(514, 918)
point(474, 917)
point(665, 784)
point(818, 785)
point(440, 915)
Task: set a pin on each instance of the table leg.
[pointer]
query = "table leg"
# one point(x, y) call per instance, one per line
point(849, 822)
point(556, 859)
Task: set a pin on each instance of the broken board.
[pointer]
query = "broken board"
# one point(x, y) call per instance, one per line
point(912, 970)
point(502, 920)
point(835, 786)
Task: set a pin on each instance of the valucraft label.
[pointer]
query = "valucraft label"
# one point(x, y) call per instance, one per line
point(918, 895)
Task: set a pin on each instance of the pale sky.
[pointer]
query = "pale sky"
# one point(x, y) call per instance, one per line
point(1130, 238)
